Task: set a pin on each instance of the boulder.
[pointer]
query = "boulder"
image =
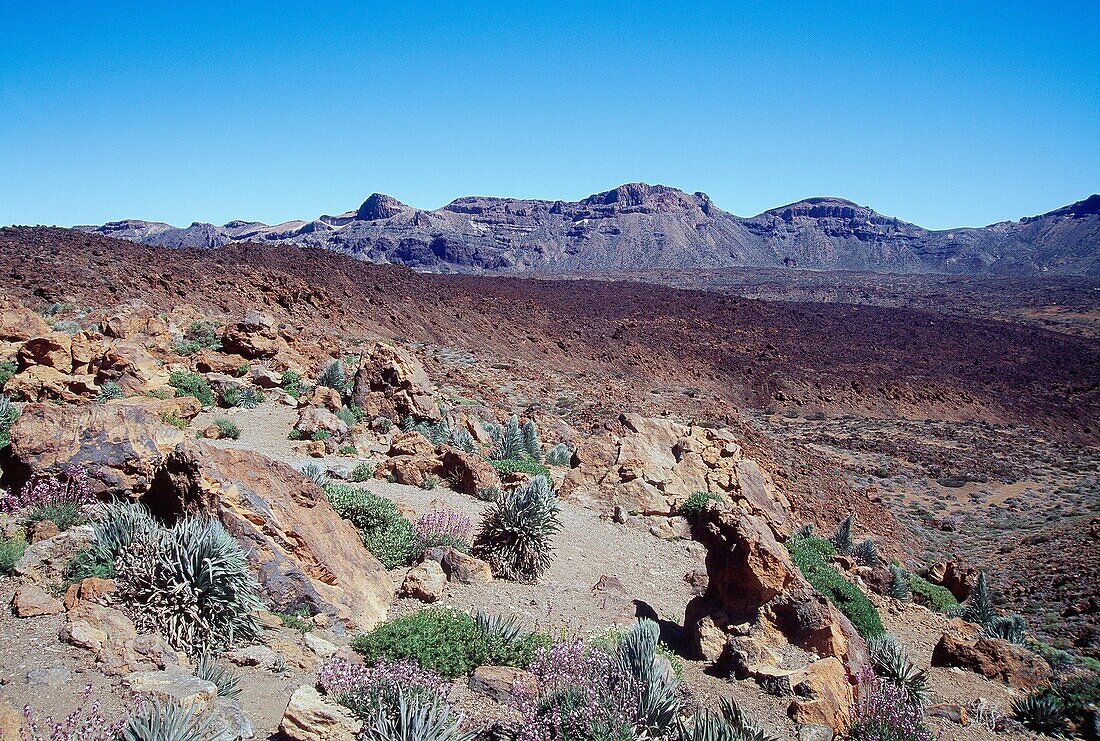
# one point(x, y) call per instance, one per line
point(92, 589)
point(40, 383)
point(467, 473)
point(322, 397)
point(132, 366)
point(265, 377)
point(823, 696)
point(254, 336)
point(120, 444)
point(304, 554)
point(392, 383)
point(173, 685)
point(18, 323)
point(310, 717)
point(312, 420)
point(44, 530)
point(31, 600)
point(963, 645)
point(53, 350)
point(424, 582)
point(752, 580)
point(112, 637)
point(497, 681)
point(45, 561)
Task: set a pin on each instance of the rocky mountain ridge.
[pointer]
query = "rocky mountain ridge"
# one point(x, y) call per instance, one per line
point(638, 226)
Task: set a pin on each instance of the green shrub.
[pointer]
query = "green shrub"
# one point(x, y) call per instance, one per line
point(8, 368)
point(85, 564)
point(296, 620)
point(384, 531)
point(321, 435)
point(362, 472)
point(291, 382)
point(294, 435)
point(192, 384)
point(931, 595)
point(978, 607)
point(1069, 698)
point(11, 550)
point(348, 450)
point(450, 642)
point(228, 429)
point(516, 534)
point(509, 466)
point(695, 503)
point(199, 336)
point(346, 416)
point(807, 555)
point(335, 377)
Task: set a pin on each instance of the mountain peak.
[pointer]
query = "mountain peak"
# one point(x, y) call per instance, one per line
point(379, 206)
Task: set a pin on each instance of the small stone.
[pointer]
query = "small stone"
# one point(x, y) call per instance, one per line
point(424, 582)
point(815, 732)
point(31, 600)
point(44, 530)
point(257, 655)
point(173, 684)
point(464, 568)
point(497, 681)
point(954, 713)
point(319, 645)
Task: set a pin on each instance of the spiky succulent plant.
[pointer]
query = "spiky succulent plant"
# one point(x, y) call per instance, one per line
point(728, 724)
point(891, 664)
point(508, 442)
point(415, 718)
point(220, 675)
point(978, 607)
point(154, 720)
point(516, 535)
point(191, 582)
point(334, 376)
point(1042, 714)
point(508, 628)
point(463, 440)
point(1012, 628)
point(899, 583)
point(531, 443)
point(316, 474)
point(842, 538)
point(866, 553)
point(657, 699)
point(249, 397)
point(109, 391)
point(559, 455)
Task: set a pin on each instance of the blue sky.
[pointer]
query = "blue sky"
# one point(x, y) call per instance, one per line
point(944, 114)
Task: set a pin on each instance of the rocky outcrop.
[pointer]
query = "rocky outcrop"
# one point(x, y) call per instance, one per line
point(411, 460)
point(304, 554)
point(466, 472)
point(120, 444)
point(254, 336)
point(651, 466)
point(754, 591)
point(953, 576)
point(392, 383)
point(113, 639)
point(963, 645)
point(310, 717)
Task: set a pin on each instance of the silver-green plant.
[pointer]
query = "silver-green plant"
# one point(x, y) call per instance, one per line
point(109, 391)
point(899, 583)
point(154, 720)
point(316, 474)
point(559, 455)
point(891, 663)
point(729, 723)
point(464, 441)
point(115, 525)
point(842, 538)
point(334, 376)
point(415, 719)
point(866, 553)
point(1011, 628)
point(978, 607)
point(508, 628)
point(516, 534)
point(658, 701)
point(531, 443)
point(220, 675)
point(249, 398)
point(191, 582)
point(508, 441)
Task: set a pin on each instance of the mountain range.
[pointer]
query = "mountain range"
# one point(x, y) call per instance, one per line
point(639, 226)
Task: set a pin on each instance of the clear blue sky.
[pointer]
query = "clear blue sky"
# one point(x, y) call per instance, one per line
point(945, 114)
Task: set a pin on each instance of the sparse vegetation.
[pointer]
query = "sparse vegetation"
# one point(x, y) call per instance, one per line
point(8, 415)
point(291, 382)
point(810, 555)
point(899, 583)
point(316, 474)
point(199, 336)
point(559, 455)
point(891, 664)
point(227, 429)
point(932, 595)
point(362, 472)
point(8, 368)
point(334, 376)
point(695, 503)
point(109, 391)
point(11, 550)
point(439, 529)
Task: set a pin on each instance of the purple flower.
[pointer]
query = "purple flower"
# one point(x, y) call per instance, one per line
point(364, 689)
point(86, 723)
point(886, 712)
point(442, 527)
point(69, 489)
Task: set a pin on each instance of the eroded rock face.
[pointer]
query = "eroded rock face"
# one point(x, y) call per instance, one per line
point(304, 554)
point(754, 589)
point(392, 383)
point(964, 646)
point(18, 323)
point(653, 465)
point(254, 336)
point(310, 717)
point(467, 473)
point(120, 444)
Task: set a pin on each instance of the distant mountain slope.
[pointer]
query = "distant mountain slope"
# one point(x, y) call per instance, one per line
point(639, 226)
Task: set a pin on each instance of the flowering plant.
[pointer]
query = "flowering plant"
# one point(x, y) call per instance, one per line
point(442, 527)
point(58, 498)
point(86, 723)
point(367, 689)
point(887, 712)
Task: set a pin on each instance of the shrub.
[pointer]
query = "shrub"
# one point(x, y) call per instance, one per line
point(249, 397)
point(441, 528)
point(808, 555)
point(199, 336)
point(384, 531)
point(191, 582)
point(11, 550)
point(508, 442)
point(321, 435)
point(1070, 698)
point(348, 450)
point(296, 620)
point(220, 675)
point(227, 429)
point(489, 494)
point(362, 472)
point(464, 441)
point(170, 721)
point(531, 444)
point(892, 665)
point(1011, 628)
point(429, 482)
point(695, 503)
point(68, 326)
point(8, 415)
point(885, 712)
point(294, 435)
point(86, 564)
point(316, 474)
point(109, 391)
point(367, 690)
point(335, 377)
point(8, 368)
point(932, 595)
point(516, 534)
point(444, 641)
point(978, 607)
point(560, 455)
point(509, 466)
point(899, 584)
point(173, 419)
point(192, 384)
point(60, 499)
point(291, 382)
